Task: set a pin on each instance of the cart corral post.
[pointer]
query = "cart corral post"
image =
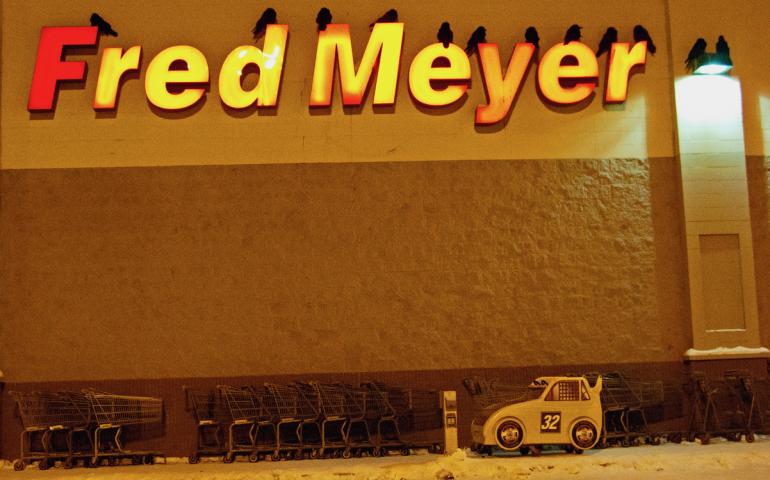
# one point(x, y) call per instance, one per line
point(449, 414)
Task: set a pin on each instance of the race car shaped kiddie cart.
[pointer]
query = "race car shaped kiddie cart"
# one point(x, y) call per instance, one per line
point(552, 411)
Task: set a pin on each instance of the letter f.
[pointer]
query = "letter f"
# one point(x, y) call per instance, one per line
point(49, 67)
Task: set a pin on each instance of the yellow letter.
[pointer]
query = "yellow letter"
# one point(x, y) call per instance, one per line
point(115, 64)
point(621, 61)
point(551, 71)
point(270, 63)
point(422, 72)
point(334, 42)
point(159, 77)
point(501, 91)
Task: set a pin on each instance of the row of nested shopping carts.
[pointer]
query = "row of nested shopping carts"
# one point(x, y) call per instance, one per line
point(85, 427)
point(312, 420)
point(732, 406)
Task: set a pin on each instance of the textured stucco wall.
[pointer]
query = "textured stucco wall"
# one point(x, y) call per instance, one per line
point(758, 170)
point(134, 273)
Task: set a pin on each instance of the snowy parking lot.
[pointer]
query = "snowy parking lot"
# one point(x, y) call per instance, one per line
point(718, 460)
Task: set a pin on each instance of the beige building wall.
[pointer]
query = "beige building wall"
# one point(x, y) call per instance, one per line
point(351, 241)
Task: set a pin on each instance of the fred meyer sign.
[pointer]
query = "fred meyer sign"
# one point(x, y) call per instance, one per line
point(438, 76)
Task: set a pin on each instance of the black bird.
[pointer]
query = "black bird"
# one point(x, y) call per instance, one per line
point(641, 34)
point(445, 34)
point(723, 50)
point(391, 16)
point(573, 34)
point(610, 37)
point(478, 36)
point(696, 52)
point(268, 17)
point(532, 37)
point(323, 18)
point(104, 27)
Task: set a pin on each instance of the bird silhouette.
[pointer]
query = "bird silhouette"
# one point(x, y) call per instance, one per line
point(641, 34)
point(723, 50)
point(478, 36)
point(610, 37)
point(445, 34)
point(104, 28)
point(268, 17)
point(323, 18)
point(573, 34)
point(532, 37)
point(697, 50)
point(391, 16)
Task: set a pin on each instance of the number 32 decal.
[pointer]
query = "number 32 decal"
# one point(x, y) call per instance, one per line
point(550, 422)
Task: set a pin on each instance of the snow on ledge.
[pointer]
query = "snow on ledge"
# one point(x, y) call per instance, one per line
point(742, 352)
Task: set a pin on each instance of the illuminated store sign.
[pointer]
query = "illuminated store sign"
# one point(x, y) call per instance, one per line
point(177, 77)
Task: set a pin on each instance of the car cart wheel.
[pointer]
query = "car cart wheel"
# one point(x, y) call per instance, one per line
point(705, 439)
point(405, 452)
point(750, 437)
point(510, 435)
point(44, 464)
point(192, 459)
point(68, 463)
point(149, 459)
point(535, 450)
point(19, 465)
point(229, 457)
point(523, 451)
point(584, 435)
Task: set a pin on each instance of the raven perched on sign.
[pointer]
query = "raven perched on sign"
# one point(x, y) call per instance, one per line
point(445, 34)
point(723, 50)
point(697, 50)
point(268, 17)
point(323, 18)
point(391, 16)
point(573, 34)
point(610, 37)
point(478, 36)
point(532, 37)
point(641, 34)
point(104, 27)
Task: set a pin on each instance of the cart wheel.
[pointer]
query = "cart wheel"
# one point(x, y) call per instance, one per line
point(44, 464)
point(137, 459)
point(675, 438)
point(376, 452)
point(299, 455)
point(655, 440)
point(149, 459)
point(346, 453)
point(731, 437)
point(578, 451)
point(750, 437)
point(705, 439)
point(192, 459)
point(336, 453)
point(405, 452)
point(314, 453)
point(19, 465)
point(275, 456)
point(68, 463)
point(87, 463)
point(524, 451)
point(229, 457)
point(625, 443)
point(113, 461)
point(691, 437)
point(358, 453)
point(535, 450)
point(253, 457)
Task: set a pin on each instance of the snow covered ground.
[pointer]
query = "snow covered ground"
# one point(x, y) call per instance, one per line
point(719, 460)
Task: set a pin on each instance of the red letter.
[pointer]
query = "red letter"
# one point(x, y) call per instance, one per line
point(49, 67)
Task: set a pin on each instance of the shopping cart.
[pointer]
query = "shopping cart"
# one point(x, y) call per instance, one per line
point(55, 427)
point(336, 420)
point(714, 410)
point(290, 412)
point(747, 416)
point(243, 408)
point(210, 414)
point(112, 413)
